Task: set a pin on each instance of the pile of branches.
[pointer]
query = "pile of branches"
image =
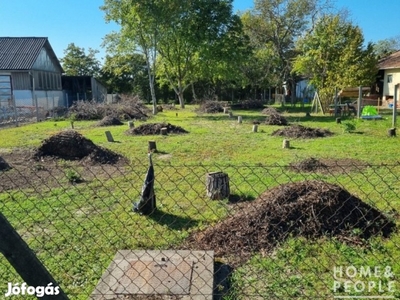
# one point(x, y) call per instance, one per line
point(274, 117)
point(210, 107)
point(127, 108)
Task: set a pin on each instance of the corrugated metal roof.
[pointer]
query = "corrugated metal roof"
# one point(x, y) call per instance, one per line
point(20, 53)
point(390, 62)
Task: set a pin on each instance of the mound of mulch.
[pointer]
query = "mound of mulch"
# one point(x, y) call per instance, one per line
point(270, 111)
point(328, 166)
point(210, 107)
point(4, 166)
point(155, 128)
point(310, 209)
point(109, 121)
point(71, 145)
point(276, 119)
point(299, 131)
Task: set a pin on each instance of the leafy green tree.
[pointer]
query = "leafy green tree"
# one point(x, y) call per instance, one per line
point(333, 56)
point(140, 23)
point(126, 74)
point(77, 63)
point(386, 47)
point(198, 33)
point(273, 27)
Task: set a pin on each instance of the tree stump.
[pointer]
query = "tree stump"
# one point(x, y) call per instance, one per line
point(164, 131)
point(230, 114)
point(392, 132)
point(285, 144)
point(338, 121)
point(255, 128)
point(217, 184)
point(130, 124)
point(152, 146)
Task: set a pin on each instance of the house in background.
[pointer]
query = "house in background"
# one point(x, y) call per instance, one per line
point(31, 75)
point(388, 76)
point(29, 70)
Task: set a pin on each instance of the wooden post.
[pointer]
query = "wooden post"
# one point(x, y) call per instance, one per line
point(72, 124)
point(338, 121)
point(286, 144)
point(230, 114)
point(255, 128)
point(152, 146)
point(131, 124)
point(164, 131)
point(24, 260)
point(217, 184)
point(240, 119)
point(109, 137)
point(226, 110)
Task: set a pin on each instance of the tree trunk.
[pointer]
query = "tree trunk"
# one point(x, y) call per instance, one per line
point(217, 184)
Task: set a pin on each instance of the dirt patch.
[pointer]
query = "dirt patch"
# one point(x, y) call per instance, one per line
point(109, 121)
point(155, 128)
point(4, 166)
point(328, 166)
point(299, 131)
point(71, 145)
point(49, 172)
point(310, 208)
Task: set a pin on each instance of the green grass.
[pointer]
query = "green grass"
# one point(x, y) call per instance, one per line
point(76, 229)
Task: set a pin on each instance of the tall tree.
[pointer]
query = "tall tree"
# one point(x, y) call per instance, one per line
point(333, 56)
point(140, 29)
point(77, 63)
point(274, 26)
point(125, 74)
point(196, 33)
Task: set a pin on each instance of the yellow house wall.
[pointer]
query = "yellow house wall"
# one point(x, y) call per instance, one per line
point(388, 88)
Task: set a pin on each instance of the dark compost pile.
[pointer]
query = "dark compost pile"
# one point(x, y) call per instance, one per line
point(71, 145)
point(310, 209)
point(155, 128)
point(299, 131)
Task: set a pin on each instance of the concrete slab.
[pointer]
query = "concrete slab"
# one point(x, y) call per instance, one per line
point(158, 274)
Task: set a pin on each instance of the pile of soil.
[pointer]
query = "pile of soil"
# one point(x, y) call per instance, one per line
point(109, 121)
point(276, 119)
point(309, 165)
point(4, 166)
point(155, 128)
point(71, 145)
point(210, 107)
point(310, 209)
point(299, 131)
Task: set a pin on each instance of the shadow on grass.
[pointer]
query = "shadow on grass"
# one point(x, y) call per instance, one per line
point(172, 221)
point(240, 198)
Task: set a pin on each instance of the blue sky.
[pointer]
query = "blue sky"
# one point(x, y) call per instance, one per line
point(82, 22)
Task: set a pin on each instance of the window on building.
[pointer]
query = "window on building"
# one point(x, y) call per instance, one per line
point(390, 78)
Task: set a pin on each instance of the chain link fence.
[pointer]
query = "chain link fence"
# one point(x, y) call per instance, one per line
point(309, 230)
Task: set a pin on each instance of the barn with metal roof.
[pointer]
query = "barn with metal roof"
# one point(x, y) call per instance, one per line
point(29, 70)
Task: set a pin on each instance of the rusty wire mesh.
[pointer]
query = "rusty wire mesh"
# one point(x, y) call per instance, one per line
point(299, 231)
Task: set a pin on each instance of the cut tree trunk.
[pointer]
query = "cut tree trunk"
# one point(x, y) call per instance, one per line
point(217, 184)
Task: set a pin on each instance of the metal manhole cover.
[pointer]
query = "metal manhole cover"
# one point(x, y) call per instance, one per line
point(165, 276)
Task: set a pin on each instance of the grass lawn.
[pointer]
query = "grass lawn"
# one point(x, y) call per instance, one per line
point(77, 229)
